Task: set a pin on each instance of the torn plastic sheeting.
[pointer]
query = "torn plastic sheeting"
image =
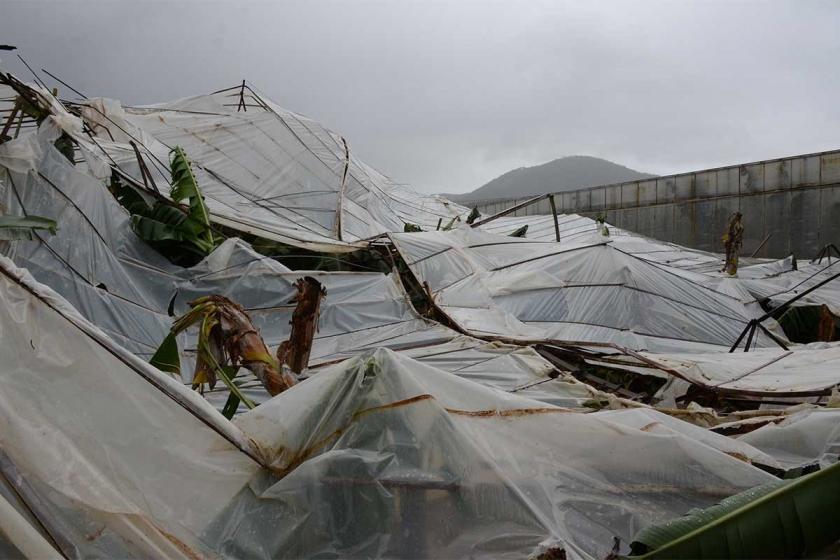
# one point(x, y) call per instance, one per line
point(811, 369)
point(115, 280)
point(575, 228)
point(514, 369)
point(786, 285)
point(360, 309)
point(804, 438)
point(453, 446)
point(778, 280)
point(654, 421)
point(536, 474)
point(94, 260)
point(477, 360)
point(100, 442)
point(266, 170)
point(587, 293)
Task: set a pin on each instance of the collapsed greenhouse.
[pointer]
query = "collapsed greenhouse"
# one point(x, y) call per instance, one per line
point(440, 388)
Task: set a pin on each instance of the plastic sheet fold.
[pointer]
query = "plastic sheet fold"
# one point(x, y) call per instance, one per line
point(592, 291)
point(263, 169)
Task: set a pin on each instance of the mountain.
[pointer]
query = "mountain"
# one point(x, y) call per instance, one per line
point(564, 174)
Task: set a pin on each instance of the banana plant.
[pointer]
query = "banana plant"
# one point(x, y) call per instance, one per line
point(23, 227)
point(179, 229)
point(782, 519)
point(227, 339)
point(185, 187)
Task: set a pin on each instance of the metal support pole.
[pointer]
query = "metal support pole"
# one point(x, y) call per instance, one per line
point(145, 174)
point(241, 106)
point(754, 323)
point(757, 249)
point(11, 119)
point(772, 336)
point(788, 303)
point(510, 210)
point(554, 215)
point(741, 336)
point(750, 338)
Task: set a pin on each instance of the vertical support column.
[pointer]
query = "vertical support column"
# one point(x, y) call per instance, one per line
point(554, 215)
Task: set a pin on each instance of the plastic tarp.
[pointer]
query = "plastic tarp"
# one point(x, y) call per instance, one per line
point(402, 458)
point(115, 280)
point(785, 285)
point(264, 169)
point(807, 437)
point(514, 369)
point(378, 456)
point(510, 288)
point(113, 457)
point(125, 288)
point(804, 369)
point(575, 228)
point(96, 261)
point(653, 421)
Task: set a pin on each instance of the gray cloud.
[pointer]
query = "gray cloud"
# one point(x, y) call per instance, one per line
point(447, 95)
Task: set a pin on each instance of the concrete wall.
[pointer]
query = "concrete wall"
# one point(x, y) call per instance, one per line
point(795, 200)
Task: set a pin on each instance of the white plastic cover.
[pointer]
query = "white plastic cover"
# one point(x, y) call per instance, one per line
point(124, 287)
point(653, 421)
point(115, 280)
point(98, 443)
point(576, 228)
point(511, 288)
point(809, 369)
point(379, 456)
point(784, 285)
point(808, 437)
point(404, 459)
point(264, 169)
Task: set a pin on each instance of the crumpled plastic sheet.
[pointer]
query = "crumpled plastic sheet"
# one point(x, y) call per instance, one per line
point(808, 368)
point(757, 278)
point(495, 286)
point(576, 228)
point(785, 285)
point(653, 421)
point(264, 169)
point(118, 282)
point(98, 443)
point(573, 227)
point(361, 310)
point(805, 438)
point(378, 456)
point(404, 459)
point(515, 369)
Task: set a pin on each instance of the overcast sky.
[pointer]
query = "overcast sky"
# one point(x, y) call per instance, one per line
point(448, 95)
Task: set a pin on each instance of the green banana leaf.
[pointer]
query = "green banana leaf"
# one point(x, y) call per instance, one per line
point(474, 215)
point(185, 186)
point(166, 357)
point(22, 227)
point(181, 234)
point(520, 232)
point(782, 519)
